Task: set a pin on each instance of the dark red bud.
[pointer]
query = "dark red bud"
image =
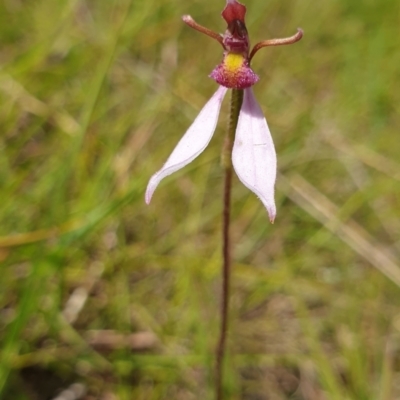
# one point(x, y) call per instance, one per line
point(234, 11)
point(238, 29)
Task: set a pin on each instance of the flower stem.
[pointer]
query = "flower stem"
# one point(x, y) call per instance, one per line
point(236, 103)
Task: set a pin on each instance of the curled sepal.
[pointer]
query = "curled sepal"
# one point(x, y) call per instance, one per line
point(254, 157)
point(193, 142)
point(187, 19)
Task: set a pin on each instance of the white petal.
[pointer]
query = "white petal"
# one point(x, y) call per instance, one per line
point(254, 157)
point(193, 142)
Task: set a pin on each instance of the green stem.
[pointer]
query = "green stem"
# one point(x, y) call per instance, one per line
point(236, 103)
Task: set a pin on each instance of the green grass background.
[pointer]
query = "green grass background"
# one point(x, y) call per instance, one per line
point(93, 97)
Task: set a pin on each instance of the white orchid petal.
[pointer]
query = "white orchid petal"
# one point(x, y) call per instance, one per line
point(193, 142)
point(254, 157)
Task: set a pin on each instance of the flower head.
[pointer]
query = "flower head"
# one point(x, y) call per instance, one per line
point(234, 70)
point(253, 156)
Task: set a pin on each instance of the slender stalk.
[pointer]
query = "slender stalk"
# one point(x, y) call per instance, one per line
point(236, 103)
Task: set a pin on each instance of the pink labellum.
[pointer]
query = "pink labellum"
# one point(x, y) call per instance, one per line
point(193, 142)
point(239, 77)
point(254, 157)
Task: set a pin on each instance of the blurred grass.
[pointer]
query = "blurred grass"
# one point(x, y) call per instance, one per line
point(94, 96)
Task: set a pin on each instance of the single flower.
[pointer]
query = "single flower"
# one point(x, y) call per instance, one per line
point(253, 155)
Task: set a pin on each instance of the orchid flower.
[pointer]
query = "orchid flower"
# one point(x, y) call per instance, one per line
point(253, 155)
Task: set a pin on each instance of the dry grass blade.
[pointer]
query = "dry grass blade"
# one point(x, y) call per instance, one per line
point(365, 155)
point(107, 340)
point(33, 105)
point(79, 296)
point(20, 239)
point(321, 208)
